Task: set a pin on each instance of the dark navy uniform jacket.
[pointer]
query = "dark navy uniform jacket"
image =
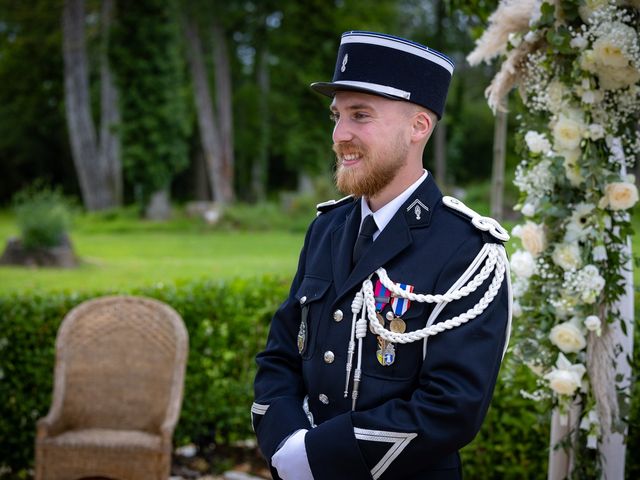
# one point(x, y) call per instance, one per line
point(413, 416)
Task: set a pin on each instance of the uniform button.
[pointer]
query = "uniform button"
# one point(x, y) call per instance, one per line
point(323, 398)
point(303, 299)
point(329, 357)
point(337, 315)
point(390, 315)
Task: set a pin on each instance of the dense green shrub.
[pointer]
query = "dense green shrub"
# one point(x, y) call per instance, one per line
point(227, 324)
point(43, 216)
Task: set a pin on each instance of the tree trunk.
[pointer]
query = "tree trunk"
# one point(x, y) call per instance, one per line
point(259, 168)
point(90, 168)
point(224, 101)
point(440, 147)
point(209, 135)
point(497, 173)
point(110, 112)
point(159, 206)
point(200, 182)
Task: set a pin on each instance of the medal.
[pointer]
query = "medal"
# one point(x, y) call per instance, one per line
point(389, 354)
point(400, 305)
point(382, 295)
point(397, 325)
point(302, 336)
point(386, 353)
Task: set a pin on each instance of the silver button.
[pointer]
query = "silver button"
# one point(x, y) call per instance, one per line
point(303, 299)
point(323, 398)
point(337, 315)
point(329, 357)
point(389, 315)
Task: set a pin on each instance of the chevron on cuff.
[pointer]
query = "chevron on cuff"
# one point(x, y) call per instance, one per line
point(400, 440)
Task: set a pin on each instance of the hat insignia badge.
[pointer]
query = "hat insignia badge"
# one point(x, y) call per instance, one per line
point(345, 59)
point(418, 207)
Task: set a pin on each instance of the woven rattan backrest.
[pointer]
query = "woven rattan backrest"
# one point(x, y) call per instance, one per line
point(120, 363)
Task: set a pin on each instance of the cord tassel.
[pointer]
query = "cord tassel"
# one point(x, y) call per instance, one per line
point(356, 306)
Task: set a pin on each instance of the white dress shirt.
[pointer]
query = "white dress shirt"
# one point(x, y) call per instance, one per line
point(384, 215)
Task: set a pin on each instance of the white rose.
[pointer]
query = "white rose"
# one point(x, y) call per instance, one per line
point(609, 53)
point(568, 337)
point(593, 324)
point(619, 196)
point(562, 382)
point(537, 142)
point(612, 78)
point(523, 264)
point(567, 377)
point(567, 133)
point(533, 238)
point(567, 256)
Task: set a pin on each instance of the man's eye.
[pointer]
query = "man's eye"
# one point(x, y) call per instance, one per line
point(360, 115)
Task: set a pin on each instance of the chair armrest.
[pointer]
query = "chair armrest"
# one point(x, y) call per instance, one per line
point(166, 436)
point(48, 426)
point(52, 424)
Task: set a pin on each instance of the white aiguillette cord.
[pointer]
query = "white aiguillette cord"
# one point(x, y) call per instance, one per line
point(364, 304)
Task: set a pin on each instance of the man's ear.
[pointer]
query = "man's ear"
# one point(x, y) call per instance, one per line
point(422, 125)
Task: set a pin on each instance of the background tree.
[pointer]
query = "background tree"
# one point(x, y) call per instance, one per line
point(148, 58)
point(33, 138)
point(214, 106)
point(97, 164)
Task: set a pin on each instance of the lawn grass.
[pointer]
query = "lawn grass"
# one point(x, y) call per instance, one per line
point(127, 253)
point(120, 251)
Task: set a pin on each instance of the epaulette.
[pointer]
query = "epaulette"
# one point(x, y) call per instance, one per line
point(331, 204)
point(486, 224)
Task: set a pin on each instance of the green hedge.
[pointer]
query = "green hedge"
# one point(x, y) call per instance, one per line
point(227, 324)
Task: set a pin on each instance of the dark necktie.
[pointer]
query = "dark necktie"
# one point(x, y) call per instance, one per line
point(365, 238)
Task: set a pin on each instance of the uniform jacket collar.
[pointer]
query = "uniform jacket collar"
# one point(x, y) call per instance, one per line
point(397, 236)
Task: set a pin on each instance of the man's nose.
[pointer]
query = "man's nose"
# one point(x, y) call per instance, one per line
point(342, 132)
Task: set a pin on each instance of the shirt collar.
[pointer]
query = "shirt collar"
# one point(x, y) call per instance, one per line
point(384, 215)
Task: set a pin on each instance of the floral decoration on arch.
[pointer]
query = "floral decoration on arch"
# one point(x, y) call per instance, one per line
point(577, 68)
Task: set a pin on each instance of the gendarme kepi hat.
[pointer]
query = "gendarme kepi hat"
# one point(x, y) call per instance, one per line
point(392, 67)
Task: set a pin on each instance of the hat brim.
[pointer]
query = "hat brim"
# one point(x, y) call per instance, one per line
point(329, 89)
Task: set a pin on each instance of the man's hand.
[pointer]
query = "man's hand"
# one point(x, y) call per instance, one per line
point(291, 460)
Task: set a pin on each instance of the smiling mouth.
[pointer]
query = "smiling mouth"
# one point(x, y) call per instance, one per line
point(350, 159)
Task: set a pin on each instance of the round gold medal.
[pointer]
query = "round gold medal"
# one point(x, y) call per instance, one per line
point(398, 325)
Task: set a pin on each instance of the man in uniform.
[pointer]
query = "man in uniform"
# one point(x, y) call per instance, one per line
point(382, 361)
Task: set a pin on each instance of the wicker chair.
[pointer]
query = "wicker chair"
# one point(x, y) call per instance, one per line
point(120, 364)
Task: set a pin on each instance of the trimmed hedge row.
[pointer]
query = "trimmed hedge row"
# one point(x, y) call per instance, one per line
point(227, 324)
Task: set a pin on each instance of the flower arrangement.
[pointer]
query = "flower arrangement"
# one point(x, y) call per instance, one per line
point(577, 67)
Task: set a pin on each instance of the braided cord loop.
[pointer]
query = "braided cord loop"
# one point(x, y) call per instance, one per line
point(457, 294)
point(495, 262)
